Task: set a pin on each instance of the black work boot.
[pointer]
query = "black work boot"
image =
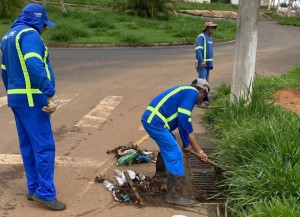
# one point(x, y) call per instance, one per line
point(175, 189)
point(52, 204)
point(161, 171)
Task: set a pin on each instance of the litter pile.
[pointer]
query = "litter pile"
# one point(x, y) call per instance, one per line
point(131, 154)
point(133, 187)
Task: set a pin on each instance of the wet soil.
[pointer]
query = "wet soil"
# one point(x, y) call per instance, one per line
point(289, 98)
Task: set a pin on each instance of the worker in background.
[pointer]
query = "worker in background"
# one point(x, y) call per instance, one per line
point(170, 110)
point(204, 54)
point(30, 84)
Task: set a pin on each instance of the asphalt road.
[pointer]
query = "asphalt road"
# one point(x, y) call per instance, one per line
point(103, 93)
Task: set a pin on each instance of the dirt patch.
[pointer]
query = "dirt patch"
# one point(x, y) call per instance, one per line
point(289, 99)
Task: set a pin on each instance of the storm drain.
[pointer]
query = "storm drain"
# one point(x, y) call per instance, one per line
point(205, 179)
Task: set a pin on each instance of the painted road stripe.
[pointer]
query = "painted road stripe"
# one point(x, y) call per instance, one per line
point(64, 99)
point(3, 101)
point(15, 159)
point(98, 115)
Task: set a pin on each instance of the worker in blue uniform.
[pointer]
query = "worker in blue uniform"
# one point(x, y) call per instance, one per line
point(204, 54)
point(30, 84)
point(170, 110)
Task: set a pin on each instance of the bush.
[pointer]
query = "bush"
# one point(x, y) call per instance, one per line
point(145, 8)
point(11, 8)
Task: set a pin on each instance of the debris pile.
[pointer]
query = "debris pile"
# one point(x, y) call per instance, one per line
point(133, 187)
point(131, 154)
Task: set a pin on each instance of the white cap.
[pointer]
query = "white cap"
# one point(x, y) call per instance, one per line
point(201, 83)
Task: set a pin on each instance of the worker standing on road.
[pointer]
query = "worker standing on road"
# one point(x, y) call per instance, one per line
point(30, 84)
point(170, 110)
point(204, 53)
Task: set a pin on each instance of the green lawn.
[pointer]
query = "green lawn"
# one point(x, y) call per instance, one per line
point(259, 145)
point(82, 25)
point(292, 21)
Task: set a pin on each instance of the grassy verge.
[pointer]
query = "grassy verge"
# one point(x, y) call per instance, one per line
point(82, 25)
point(292, 21)
point(206, 6)
point(260, 146)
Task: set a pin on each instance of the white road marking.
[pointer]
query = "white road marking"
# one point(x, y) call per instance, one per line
point(3, 101)
point(98, 115)
point(62, 100)
point(16, 159)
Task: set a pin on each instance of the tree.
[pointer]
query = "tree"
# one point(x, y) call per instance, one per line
point(146, 8)
point(11, 8)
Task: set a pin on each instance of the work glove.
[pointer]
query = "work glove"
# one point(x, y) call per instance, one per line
point(52, 105)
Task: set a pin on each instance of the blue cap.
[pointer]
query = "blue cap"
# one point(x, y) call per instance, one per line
point(38, 12)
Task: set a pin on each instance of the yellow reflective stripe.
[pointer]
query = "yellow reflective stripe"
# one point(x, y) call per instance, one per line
point(24, 91)
point(46, 65)
point(198, 47)
point(3, 67)
point(32, 54)
point(163, 100)
point(184, 111)
point(24, 68)
point(172, 117)
point(159, 115)
point(190, 120)
point(209, 59)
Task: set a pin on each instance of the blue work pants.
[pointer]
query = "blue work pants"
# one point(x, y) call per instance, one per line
point(37, 149)
point(170, 150)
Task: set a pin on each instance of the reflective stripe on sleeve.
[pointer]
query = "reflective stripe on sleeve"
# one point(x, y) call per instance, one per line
point(3, 67)
point(198, 47)
point(32, 54)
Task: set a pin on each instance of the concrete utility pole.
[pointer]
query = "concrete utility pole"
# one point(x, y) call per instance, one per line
point(245, 50)
point(289, 8)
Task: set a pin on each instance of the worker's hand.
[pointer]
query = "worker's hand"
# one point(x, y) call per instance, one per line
point(187, 149)
point(203, 155)
point(52, 105)
point(203, 64)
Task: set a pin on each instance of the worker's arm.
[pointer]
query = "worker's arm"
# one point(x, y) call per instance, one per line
point(188, 100)
point(34, 58)
point(4, 72)
point(196, 146)
point(199, 50)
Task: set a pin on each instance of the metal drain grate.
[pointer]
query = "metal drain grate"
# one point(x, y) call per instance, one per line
point(205, 178)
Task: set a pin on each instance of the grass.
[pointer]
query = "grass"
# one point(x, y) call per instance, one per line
point(206, 6)
point(260, 146)
point(83, 25)
point(292, 21)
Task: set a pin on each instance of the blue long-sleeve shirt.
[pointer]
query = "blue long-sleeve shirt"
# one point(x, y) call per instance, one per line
point(172, 109)
point(204, 50)
point(25, 64)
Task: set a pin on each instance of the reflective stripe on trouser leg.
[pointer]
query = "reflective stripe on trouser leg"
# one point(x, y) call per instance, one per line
point(27, 155)
point(38, 129)
point(168, 146)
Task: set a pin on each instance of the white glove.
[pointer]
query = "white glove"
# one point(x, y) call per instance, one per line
point(52, 105)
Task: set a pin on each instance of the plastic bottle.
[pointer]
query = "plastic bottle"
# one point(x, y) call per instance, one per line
point(108, 185)
point(126, 159)
point(143, 159)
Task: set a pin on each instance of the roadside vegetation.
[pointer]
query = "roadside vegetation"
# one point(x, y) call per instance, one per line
point(292, 21)
point(259, 144)
point(83, 25)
